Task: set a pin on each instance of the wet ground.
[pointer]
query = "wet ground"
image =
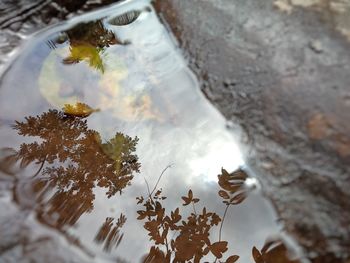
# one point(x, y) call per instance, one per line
point(110, 153)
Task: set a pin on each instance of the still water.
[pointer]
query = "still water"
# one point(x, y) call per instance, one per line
point(110, 153)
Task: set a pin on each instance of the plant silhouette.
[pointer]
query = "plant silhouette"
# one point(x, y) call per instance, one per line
point(179, 237)
point(72, 161)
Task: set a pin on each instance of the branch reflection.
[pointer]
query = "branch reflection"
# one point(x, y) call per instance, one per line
point(186, 235)
point(71, 162)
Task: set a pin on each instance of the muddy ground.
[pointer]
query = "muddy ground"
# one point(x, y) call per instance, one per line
point(280, 73)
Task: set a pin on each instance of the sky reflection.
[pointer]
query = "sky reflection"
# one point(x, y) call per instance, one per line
point(143, 88)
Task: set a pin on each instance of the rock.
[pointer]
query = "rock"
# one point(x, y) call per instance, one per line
point(288, 95)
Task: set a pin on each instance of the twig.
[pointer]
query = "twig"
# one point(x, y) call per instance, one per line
point(222, 222)
point(194, 209)
point(149, 193)
point(166, 168)
point(41, 167)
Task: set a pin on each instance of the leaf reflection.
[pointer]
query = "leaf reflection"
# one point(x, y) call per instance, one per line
point(181, 236)
point(186, 236)
point(109, 234)
point(274, 251)
point(73, 161)
point(88, 42)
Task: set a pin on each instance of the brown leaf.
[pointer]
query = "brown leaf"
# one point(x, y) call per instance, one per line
point(187, 200)
point(224, 172)
point(257, 256)
point(140, 200)
point(195, 200)
point(218, 248)
point(240, 174)
point(232, 182)
point(224, 194)
point(175, 216)
point(238, 199)
point(142, 214)
point(232, 259)
point(215, 219)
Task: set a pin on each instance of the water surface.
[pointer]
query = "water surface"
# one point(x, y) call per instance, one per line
point(109, 152)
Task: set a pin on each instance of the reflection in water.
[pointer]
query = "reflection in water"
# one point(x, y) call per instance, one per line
point(78, 110)
point(186, 235)
point(126, 18)
point(93, 45)
point(178, 237)
point(109, 234)
point(87, 42)
point(73, 161)
point(65, 177)
point(274, 251)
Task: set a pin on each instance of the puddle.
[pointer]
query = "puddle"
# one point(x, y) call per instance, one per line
point(110, 153)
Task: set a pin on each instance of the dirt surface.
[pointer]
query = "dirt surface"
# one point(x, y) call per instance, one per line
point(280, 71)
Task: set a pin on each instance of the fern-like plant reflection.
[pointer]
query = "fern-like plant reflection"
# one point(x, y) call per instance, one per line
point(179, 237)
point(72, 161)
point(185, 235)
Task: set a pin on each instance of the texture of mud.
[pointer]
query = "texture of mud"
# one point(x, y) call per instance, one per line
point(282, 75)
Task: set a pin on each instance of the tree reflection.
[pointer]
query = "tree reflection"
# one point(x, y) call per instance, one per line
point(73, 161)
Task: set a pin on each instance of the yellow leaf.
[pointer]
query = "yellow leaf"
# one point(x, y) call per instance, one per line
point(78, 110)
